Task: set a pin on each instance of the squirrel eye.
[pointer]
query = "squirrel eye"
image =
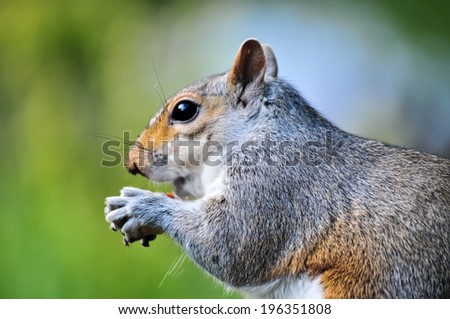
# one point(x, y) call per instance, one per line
point(184, 111)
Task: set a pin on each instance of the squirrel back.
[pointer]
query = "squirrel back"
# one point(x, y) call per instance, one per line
point(289, 205)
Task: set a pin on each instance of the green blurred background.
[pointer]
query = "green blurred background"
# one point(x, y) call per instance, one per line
point(74, 71)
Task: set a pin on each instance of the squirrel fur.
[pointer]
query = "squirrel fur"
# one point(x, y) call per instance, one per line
point(353, 218)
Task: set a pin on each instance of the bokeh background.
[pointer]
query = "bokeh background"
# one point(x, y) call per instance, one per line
point(73, 73)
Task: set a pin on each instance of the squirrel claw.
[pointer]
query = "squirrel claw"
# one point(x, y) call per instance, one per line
point(145, 241)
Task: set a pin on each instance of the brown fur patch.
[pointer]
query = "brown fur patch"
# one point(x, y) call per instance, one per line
point(346, 264)
point(160, 131)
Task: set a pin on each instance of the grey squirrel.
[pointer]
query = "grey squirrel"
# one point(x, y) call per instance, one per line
point(364, 220)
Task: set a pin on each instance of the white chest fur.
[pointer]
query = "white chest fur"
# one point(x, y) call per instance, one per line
point(212, 179)
point(303, 287)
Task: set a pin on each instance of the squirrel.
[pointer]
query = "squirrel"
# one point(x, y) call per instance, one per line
point(276, 212)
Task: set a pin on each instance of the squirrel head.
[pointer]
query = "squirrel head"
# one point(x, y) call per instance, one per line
point(214, 109)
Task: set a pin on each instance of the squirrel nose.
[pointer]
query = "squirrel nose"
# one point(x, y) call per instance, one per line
point(133, 168)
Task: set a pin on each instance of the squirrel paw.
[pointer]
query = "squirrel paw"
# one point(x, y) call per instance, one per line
point(135, 213)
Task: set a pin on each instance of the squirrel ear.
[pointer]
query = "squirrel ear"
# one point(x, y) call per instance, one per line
point(271, 62)
point(249, 64)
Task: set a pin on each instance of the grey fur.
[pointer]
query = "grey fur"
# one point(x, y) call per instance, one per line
point(388, 205)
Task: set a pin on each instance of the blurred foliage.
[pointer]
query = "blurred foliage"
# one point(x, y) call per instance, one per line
point(421, 19)
point(72, 72)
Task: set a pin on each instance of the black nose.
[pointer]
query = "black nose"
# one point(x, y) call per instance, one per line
point(133, 168)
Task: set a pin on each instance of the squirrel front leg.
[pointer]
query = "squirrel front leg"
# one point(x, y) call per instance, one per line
point(212, 236)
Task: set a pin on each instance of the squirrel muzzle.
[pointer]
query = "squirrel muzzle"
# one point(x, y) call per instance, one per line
point(131, 165)
point(133, 169)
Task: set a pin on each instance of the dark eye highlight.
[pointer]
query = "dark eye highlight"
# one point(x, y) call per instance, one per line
point(184, 111)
